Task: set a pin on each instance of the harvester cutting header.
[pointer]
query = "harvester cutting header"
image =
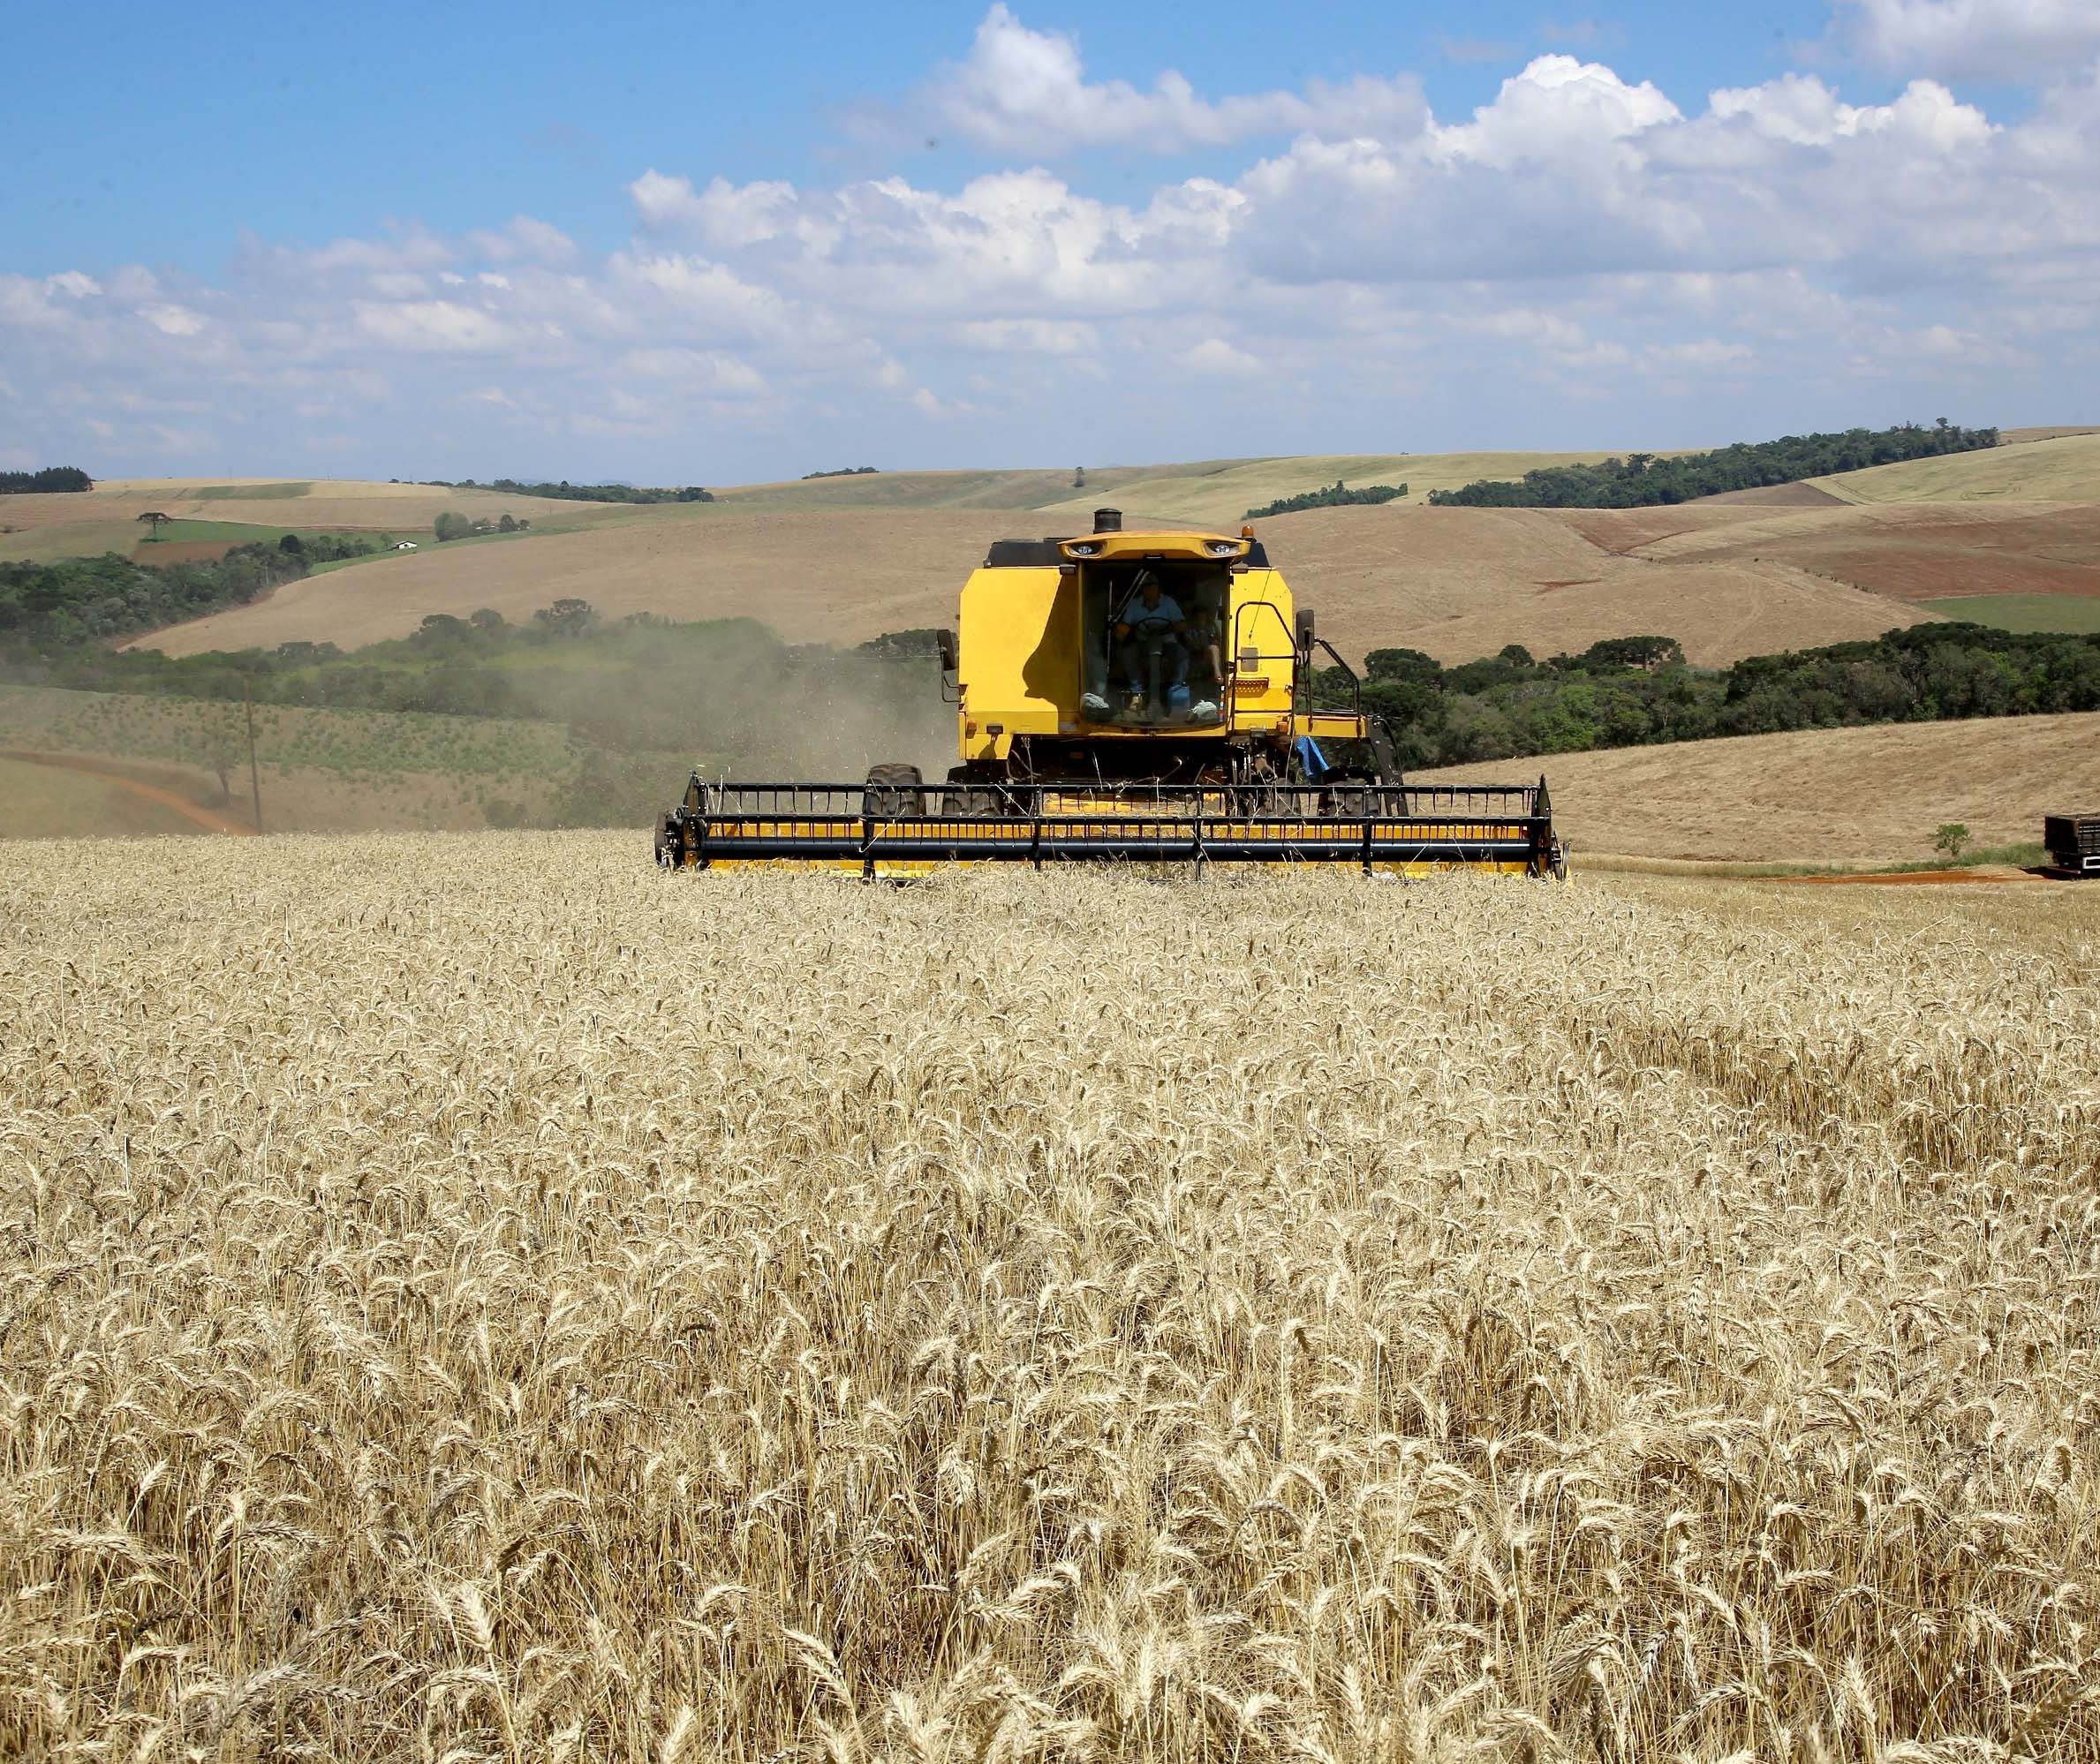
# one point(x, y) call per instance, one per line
point(1145, 695)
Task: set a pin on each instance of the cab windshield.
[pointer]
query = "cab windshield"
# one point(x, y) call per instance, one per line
point(1154, 641)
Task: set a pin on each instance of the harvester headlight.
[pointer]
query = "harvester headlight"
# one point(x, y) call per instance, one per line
point(1223, 547)
point(1083, 550)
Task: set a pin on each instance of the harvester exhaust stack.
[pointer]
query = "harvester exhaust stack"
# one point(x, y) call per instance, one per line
point(1150, 696)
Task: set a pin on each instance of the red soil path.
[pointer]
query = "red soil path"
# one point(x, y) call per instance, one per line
point(152, 793)
point(1905, 878)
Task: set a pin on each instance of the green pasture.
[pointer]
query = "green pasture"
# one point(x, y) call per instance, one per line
point(245, 492)
point(236, 533)
point(72, 539)
point(2052, 614)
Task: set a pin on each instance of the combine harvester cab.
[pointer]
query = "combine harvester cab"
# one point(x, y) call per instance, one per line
point(1135, 696)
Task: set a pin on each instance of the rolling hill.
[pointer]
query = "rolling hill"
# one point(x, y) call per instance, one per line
point(843, 559)
point(1458, 582)
point(1917, 551)
point(107, 518)
point(1819, 794)
point(1211, 491)
point(2057, 466)
point(44, 527)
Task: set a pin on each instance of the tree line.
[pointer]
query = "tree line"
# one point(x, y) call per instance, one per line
point(1642, 479)
point(454, 525)
point(48, 609)
point(566, 492)
point(1335, 495)
point(1636, 692)
point(52, 477)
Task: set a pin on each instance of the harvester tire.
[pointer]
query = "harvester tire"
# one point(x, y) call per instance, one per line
point(970, 795)
point(894, 792)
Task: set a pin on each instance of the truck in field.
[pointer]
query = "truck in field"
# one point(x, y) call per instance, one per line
point(2073, 842)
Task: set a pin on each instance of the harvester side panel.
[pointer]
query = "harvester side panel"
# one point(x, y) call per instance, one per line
point(1021, 663)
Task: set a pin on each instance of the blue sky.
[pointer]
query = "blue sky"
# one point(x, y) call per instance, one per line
point(731, 242)
point(164, 142)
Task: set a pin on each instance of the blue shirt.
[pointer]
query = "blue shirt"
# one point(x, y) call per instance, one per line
point(1137, 614)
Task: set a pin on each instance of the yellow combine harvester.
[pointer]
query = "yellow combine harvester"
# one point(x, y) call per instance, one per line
point(1143, 696)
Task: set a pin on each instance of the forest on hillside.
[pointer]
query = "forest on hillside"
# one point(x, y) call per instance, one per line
point(1335, 495)
point(52, 477)
point(1639, 691)
point(566, 492)
point(1643, 479)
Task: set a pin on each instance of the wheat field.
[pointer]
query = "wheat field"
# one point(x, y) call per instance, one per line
point(475, 1297)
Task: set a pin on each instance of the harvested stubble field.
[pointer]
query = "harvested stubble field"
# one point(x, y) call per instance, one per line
point(480, 1298)
point(1915, 552)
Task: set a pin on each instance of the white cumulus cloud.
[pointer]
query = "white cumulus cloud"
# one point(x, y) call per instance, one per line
point(2008, 41)
point(1025, 91)
point(1360, 272)
point(432, 325)
point(172, 320)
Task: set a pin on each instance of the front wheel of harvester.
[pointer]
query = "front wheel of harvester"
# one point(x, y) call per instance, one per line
point(1349, 802)
point(969, 794)
point(893, 793)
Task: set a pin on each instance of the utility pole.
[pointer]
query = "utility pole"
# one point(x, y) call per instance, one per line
point(254, 777)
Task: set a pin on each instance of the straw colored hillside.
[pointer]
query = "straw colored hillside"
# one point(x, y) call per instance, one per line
point(1822, 795)
point(1222, 493)
point(106, 519)
point(1214, 491)
point(1218, 491)
point(813, 574)
point(2063, 468)
point(1459, 583)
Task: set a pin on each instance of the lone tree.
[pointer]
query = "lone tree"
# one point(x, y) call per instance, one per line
point(1952, 840)
point(155, 519)
point(218, 745)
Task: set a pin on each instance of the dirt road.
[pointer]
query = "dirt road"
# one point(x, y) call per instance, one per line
point(207, 818)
